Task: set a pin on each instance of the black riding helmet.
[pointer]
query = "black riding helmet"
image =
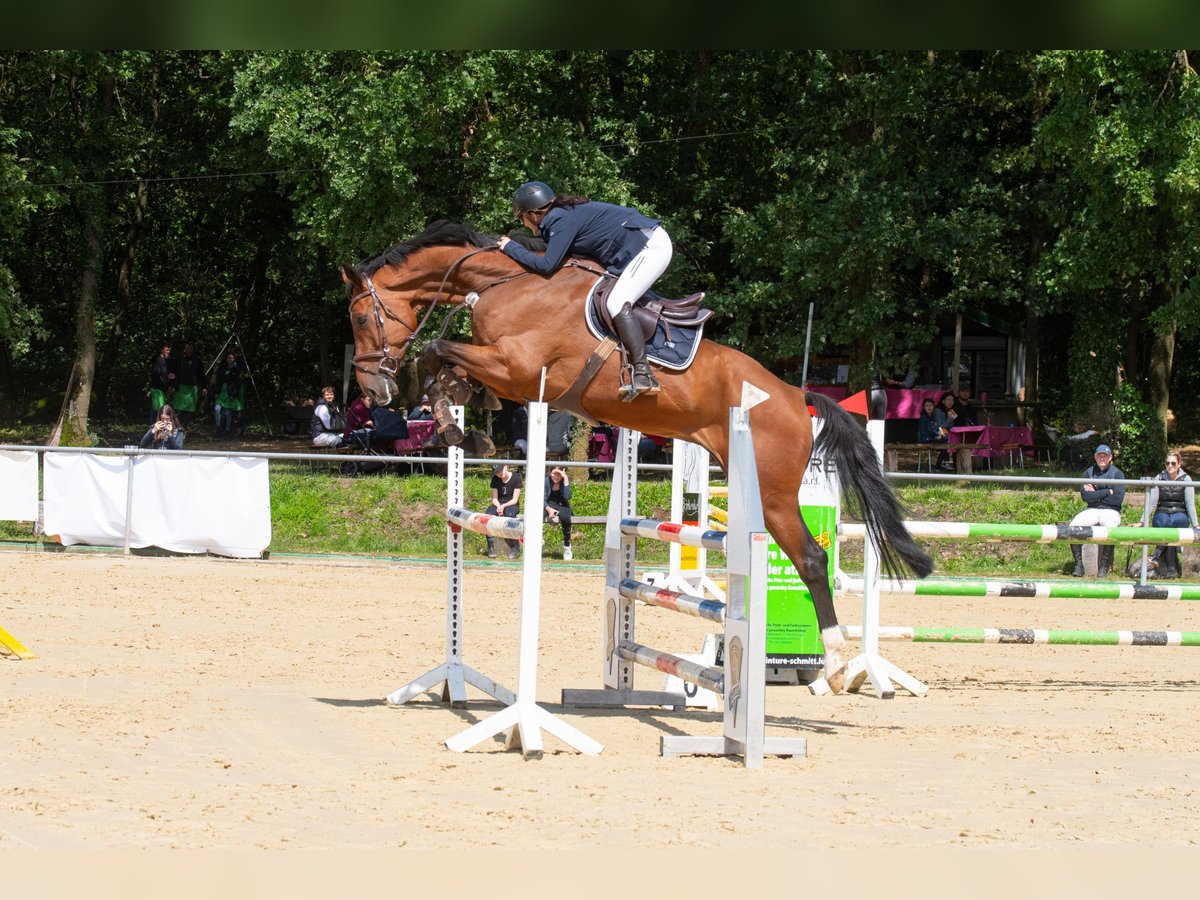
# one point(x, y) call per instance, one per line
point(530, 196)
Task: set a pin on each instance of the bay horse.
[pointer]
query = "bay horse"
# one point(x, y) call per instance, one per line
point(522, 322)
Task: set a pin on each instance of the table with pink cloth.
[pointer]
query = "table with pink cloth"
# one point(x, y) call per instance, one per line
point(902, 403)
point(991, 438)
point(419, 433)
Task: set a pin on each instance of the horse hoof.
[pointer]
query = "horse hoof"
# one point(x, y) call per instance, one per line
point(451, 436)
point(458, 389)
point(485, 398)
point(476, 443)
point(837, 680)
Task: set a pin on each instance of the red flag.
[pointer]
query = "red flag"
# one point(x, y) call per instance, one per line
point(856, 403)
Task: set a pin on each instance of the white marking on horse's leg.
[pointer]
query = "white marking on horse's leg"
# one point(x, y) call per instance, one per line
point(835, 666)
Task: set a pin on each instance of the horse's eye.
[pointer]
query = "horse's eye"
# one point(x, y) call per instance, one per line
point(360, 321)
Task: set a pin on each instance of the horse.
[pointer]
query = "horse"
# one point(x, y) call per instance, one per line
point(522, 323)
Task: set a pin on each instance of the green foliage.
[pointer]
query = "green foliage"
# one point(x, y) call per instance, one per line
point(1141, 435)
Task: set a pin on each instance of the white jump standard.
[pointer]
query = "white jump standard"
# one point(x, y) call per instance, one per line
point(742, 680)
point(453, 675)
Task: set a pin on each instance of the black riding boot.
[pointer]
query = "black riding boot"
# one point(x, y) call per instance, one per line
point(643, 380)
point(1077, 552)
point(1104, 562)
point(491, 542)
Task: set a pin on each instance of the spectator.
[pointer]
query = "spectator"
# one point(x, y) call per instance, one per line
point(506, 496)
point(166, 432)
point(559, 426)
point(360, 420)
point(162, 379)
point(423, 410)
point(927, 430)
point(558, 505)
point(945, 417)
point(229, 394)
point(327, 421)
point(967, 413)
point(1103, 507)
point(519, 429)
point(652, 449)
point(1173, 505)
point(898, 380)
point(189, 372)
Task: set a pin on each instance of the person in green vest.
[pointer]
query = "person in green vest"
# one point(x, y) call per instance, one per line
point(162, 379)
point(230, 393)
point(189, 373)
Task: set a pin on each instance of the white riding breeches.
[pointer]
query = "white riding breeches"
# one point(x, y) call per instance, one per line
point(1109, 518)
point(643, 270)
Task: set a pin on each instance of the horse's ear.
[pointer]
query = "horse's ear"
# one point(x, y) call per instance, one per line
point(350, 275)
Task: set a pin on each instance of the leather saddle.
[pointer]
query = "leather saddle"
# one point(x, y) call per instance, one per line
point(650, 308)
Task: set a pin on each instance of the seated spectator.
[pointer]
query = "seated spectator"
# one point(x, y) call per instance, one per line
point(327, 421)
point(945, 417)
point(967, 413)
point(558, 505)
point(927, 430)
point(652, 448)
point(1103, 507)
point(422, 411)
point(506, 496)
point(1172, 502)
point(165, 433)
point(519, 429)
point(360, 420)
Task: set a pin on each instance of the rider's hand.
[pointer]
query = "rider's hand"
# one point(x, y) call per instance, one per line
point(503, 240)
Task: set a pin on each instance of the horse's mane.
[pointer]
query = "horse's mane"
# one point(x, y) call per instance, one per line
point(442, 233)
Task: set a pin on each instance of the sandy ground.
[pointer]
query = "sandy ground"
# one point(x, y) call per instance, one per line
point(204, 703)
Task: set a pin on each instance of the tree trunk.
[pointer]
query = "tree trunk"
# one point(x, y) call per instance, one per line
point(112, 345)
point(1162, 360)
point(73, 421)
point(1031, 415)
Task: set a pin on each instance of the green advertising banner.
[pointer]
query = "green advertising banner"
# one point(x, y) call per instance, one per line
point(793, 636)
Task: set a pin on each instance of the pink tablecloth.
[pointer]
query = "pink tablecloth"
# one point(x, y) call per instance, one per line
point(902, 403)
point(991, 438)
point(419, 432)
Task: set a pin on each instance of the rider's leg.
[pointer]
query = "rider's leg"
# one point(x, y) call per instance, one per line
point(637, 278)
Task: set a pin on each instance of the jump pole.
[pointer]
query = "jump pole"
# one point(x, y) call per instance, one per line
point(453, 675)
point(1072, 590)
point(1039, 534)
point(869, 664)
point(523, 719)
point(1059, 636)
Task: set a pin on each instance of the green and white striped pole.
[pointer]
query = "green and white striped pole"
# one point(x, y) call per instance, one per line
point(1065, 636)
point(1038, 534)
point(1072, 590)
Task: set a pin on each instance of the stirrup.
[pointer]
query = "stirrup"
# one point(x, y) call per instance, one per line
point(633, 389)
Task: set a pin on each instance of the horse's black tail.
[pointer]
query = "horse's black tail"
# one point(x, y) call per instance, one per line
point(864, 486)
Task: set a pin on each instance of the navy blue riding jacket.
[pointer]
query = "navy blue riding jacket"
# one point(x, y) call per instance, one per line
point(608, 233)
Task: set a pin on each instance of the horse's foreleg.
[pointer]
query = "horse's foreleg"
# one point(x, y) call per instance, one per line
point(782, 515)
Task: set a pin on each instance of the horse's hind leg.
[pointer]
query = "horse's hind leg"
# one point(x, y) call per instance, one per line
point(782, 514)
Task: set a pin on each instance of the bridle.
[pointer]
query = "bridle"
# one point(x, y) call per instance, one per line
point(386, 359)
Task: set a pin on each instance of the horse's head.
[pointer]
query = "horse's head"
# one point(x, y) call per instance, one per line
point(382, 333)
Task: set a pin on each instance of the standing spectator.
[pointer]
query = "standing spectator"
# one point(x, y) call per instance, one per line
point(162, 379)
point(1172, 502)
point(228, 389)
point(945, 417)
point(519, 429)
point(967, 413)
point(422, 411)
point(506, 496)
point(558, 505)
point(166, 433)
point(1103, 507)
point(559, 425)
point(327, 421)
point(189, 372)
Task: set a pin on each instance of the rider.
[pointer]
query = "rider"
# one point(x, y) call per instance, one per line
point(631, 246)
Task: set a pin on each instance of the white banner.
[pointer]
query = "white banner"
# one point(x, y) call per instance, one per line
point(18, 486)
point(181, 504)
